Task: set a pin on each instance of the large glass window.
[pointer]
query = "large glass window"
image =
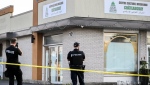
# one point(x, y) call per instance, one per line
point(120, 52)
point(148, 38)
point(54, 39)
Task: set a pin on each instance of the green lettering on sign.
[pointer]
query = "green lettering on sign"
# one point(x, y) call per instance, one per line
point(133, 8)
point(56, 9)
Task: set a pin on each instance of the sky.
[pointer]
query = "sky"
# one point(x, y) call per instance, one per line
point(20, 6)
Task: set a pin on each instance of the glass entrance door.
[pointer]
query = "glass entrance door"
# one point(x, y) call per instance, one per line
point(55, 58)
point(1, 60)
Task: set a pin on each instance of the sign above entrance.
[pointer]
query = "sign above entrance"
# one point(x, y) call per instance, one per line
point(127, 7)
point(54, 9)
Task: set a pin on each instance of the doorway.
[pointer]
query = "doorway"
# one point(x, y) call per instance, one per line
point(1, 60)
point(53, 55)
point(148, 55)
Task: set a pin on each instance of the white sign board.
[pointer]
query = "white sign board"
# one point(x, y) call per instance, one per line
point(54, 9)
point(127, 7)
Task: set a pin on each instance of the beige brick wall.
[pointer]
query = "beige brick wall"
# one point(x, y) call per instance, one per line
point(91, 42)
point(143, 44)
point(26, 46)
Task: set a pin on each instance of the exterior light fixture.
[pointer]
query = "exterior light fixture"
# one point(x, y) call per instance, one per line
point(32, 38)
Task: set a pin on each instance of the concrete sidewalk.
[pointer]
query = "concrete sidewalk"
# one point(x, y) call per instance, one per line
point(6, 82)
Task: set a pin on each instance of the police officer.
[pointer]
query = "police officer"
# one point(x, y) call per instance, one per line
point(12, 53)
point(76, 59)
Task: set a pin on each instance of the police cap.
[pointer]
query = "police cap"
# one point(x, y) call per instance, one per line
point(76, 44)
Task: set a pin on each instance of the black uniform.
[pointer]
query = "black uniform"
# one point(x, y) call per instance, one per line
point(76, 59)
point(12, 57)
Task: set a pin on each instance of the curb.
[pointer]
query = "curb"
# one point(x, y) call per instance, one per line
point(38, 82)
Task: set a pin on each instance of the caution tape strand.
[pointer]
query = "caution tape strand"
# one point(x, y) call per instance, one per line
point(93, 71)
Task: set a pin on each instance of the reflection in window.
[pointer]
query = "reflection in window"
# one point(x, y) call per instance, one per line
point(56, 61)
point(120, 52)
point(60, 63)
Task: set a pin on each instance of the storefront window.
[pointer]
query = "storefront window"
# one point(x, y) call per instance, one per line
point(54, 39)
point(120, 52)
point(148, 38)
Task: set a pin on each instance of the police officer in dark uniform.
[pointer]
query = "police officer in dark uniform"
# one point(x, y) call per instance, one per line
point(12, 53)
point(76, 59)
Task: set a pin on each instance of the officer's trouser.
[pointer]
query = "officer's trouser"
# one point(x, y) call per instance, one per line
point(80, 75)
point(17, 73)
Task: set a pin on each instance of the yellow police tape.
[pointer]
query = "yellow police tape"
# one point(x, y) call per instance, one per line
point(93, 71)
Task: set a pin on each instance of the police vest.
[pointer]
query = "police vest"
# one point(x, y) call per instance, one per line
point(76, 58)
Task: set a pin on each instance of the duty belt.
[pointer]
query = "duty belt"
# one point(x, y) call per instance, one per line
point(77, 65)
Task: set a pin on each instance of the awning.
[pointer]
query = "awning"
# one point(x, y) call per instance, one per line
point(82, 23)
point(7, 35)
point(20, 33)
point(24, 32)
point(85, 22)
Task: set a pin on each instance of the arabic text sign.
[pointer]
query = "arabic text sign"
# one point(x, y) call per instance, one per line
point(127, 7)
point(54, 9)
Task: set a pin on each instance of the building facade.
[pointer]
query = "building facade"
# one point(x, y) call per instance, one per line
point(113, 34)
